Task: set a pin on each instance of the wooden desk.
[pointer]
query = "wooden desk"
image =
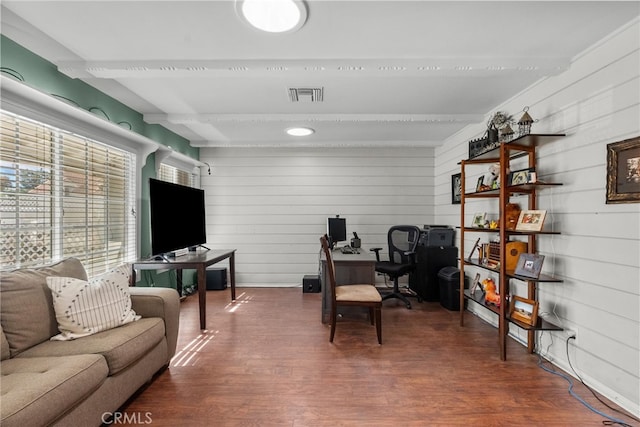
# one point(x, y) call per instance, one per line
point(351, 269)
point(198, 261)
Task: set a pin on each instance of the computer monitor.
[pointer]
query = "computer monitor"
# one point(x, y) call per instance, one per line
point(336, 230)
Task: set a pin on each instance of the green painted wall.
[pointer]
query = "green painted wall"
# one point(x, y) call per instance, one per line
point(43, 75)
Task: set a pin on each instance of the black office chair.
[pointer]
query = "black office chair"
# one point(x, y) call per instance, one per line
point(403, 240)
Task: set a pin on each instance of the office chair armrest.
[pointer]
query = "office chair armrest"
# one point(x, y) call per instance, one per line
point(377, 251)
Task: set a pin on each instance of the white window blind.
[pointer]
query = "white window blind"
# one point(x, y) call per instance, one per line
point(177, 176)
point(63, 195)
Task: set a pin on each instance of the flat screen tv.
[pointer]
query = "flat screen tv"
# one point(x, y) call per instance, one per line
point(177, 217)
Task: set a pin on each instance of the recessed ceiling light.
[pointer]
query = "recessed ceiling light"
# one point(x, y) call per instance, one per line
point(300, 131)
point(273, 16)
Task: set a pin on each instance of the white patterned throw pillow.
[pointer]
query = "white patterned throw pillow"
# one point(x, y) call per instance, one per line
point(85, 308)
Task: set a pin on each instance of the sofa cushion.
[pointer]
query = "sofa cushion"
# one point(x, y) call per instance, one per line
point(26, 306)
point(36, 391)
point(120, 346)
point(86, 307)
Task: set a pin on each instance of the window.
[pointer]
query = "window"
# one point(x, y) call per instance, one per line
point(177, 176)
point(63, 195)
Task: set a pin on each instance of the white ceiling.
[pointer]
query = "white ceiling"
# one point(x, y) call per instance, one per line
point(393, 72)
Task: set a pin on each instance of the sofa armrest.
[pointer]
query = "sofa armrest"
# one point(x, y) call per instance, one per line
point(159, 302)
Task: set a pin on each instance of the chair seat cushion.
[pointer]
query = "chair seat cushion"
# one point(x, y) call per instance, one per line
point(360, 293)
point(393, 269)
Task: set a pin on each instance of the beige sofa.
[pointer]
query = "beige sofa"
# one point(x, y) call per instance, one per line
point(85, 380)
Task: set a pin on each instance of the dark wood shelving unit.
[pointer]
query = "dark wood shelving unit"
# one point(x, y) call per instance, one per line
point(524, 146)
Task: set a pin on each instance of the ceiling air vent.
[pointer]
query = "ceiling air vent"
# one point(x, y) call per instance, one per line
point(306, 94)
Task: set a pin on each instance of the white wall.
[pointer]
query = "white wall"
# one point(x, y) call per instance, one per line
point(595, 102)
point(272, 204)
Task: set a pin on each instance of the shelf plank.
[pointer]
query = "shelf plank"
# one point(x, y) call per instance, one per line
point(530, 187)
point(533, 140)
point(530, 233)
point(525, 141)
point(482, 194)
point(512, 232)
point(511, 274)
point(542, 278)
point(482, 230)
point(478, 297)
point(512, 190)
point(541, 324)
point(480, 265)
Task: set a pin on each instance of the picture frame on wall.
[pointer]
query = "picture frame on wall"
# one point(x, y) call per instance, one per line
point(529, 265)
point(523, 310)
point(456, 188)
point(531, 220)
point(623, 171)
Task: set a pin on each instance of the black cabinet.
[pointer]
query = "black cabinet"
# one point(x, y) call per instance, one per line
point(430, 259)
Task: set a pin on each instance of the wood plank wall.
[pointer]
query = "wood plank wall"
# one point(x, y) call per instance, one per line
point(272, 204)
point(595, 102)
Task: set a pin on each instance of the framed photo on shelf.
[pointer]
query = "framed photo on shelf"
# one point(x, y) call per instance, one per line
point(523, 310)
point(531, 220)
point(474, 285)
point(529, 265)
point(473, 249)
point(479, 184)
point(479, 219)
point(456, 189)
point(623, 171)
point(522, 176)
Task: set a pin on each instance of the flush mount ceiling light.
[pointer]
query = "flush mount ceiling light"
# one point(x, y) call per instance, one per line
point(300, 131)
point(273, 16)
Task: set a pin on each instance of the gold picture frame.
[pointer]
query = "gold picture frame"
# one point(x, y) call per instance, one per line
point(531, 220)
point(523, 310)
point(623, 171)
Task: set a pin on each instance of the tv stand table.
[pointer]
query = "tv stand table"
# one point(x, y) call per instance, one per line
point(198, 261)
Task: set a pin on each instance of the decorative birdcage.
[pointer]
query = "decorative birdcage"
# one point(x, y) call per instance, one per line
point(525, 122)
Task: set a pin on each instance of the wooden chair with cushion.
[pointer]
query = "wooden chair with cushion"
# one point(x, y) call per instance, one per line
point(362, 295)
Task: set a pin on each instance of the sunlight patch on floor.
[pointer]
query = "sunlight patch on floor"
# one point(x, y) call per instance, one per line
point(239, 302)
point(188, 356)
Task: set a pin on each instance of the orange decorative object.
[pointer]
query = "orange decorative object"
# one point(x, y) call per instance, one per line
point(490, 295)
point(512, 212)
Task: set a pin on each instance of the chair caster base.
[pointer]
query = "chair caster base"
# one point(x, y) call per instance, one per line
point(398, 296)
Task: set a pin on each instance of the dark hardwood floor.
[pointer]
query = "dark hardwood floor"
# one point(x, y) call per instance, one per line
point(266, 360)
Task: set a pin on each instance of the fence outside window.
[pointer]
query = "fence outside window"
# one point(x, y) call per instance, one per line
point(63, 195)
